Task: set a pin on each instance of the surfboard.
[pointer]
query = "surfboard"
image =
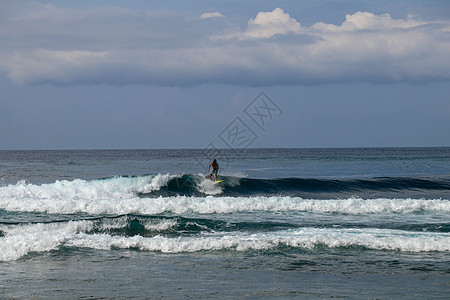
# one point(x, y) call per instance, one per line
point(218, 181)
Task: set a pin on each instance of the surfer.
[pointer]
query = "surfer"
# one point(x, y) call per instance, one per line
point(215, 169)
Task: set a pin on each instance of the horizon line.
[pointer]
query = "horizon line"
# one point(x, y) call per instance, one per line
point(231, 149)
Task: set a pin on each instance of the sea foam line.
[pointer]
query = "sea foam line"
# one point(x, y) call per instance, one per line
point(307, 238)
point(20, 240)
point(220, 205)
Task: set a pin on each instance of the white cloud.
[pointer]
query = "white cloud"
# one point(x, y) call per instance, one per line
point(209, 15)
point(267, 24)
point(43, 65)
point(368, 21)
point(49, 44)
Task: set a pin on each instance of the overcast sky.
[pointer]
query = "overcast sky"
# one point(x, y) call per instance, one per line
point(188, 74)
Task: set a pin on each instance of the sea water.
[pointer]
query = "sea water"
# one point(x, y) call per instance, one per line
point(286, 223)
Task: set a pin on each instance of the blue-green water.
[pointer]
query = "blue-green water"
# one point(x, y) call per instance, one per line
point(288, 223)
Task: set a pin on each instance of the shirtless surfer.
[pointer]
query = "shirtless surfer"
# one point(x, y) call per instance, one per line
point(215, 169)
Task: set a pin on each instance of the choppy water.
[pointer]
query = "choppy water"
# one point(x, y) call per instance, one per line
point(314, 223)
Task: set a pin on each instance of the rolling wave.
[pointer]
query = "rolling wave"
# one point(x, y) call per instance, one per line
point(22, 239)
point(196, 185)
point(166, 185)
point(164, 193)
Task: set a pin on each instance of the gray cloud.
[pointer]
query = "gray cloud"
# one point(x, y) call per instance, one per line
point(118, 46)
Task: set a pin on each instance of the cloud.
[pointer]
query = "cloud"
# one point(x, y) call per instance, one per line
point(209, 15)
point(267, 24)
point(369, 21)
point(43, 65)
point(118, 46)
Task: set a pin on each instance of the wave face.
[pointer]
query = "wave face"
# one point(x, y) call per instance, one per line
point(195, 185)
point(297, 186)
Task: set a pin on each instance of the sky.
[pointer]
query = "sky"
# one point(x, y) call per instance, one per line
point(224, 74)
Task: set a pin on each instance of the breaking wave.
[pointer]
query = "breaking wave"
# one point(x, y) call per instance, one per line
point(166, 185)
point(220, 205)
point(163, 235)
point(179, 194)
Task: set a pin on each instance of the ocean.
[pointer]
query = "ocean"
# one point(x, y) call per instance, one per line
point(361, 223)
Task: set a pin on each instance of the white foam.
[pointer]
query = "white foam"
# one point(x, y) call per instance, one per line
point(20, 240)
point(160, 225)
point(149, 224)
point(157, 182)
point(111, 188)
point(208, 187)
